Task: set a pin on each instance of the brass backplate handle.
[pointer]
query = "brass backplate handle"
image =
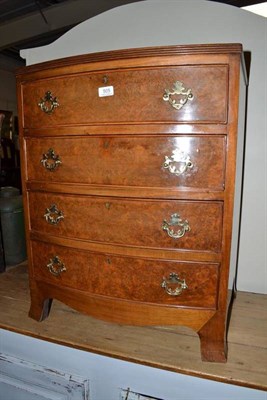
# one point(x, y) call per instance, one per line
point(48, 103)
point(182, 94)
point(53, 215)
point(176, 221)
point(178, 163)
point(50, 160)
point(173, 286)
point(56, 266)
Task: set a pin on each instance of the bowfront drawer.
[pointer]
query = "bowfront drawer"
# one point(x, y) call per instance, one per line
point(181, 161)
point(193, 93)
point(144, 280)
point(192, 225)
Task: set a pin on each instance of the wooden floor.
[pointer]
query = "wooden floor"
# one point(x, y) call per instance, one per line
point(173, 349)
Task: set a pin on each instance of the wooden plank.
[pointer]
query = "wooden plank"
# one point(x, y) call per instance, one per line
point(171, 348)
point(22, 379)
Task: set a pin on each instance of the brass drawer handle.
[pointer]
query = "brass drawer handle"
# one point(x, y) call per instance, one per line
point(174, 279)
point(50, 160)
point(53, 215)
point(56, 266)
point(183, 95)
point(48, 103)
point(178, 163)
point(176, 221)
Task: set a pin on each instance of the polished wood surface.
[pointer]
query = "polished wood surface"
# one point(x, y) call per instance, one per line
point(115, 192)
point(171, 348)
point(127, 278)
point(130, 222)
point(138, 96)
point(130, 161)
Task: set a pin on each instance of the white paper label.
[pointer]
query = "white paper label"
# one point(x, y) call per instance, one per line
point(106, 91)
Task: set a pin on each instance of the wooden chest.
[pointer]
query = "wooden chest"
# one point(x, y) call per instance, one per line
point(131, 172)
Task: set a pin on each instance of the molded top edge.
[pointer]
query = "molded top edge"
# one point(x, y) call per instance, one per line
point(226, 48)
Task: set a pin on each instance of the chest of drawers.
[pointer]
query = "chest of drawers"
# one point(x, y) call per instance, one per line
point(131, 166)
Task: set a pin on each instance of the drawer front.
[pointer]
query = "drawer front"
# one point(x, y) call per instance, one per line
point(170, 224)
point(179, 161)
point(144, 280)
point(136, 95)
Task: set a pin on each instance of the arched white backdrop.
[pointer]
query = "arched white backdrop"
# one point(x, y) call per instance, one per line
point(171, 22)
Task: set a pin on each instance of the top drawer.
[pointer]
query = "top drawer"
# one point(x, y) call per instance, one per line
point(193, 94)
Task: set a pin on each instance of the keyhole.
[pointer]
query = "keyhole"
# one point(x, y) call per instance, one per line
point(106, 144)
point(107, 205)
point(105, 79)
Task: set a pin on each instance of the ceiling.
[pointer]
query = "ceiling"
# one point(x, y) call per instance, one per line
point(34, 23)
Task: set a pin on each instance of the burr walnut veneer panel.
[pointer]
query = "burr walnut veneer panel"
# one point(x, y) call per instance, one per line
point(137, 96)
point(129, 222)
point(117, 277)
point(130, 161)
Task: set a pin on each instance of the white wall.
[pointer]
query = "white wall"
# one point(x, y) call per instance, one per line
point(169, 22)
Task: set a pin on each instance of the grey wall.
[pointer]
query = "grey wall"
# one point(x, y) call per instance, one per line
point(8, 100)
point(170, 22)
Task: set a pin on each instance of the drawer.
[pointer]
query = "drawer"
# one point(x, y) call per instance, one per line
point(161, 162)
point(136, 95)
point(144, 280)
point(192, 225)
